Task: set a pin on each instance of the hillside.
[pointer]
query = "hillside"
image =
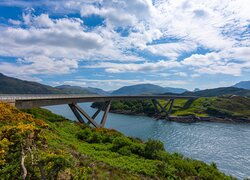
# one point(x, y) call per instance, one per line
point(81, 90)
point(235, 107)
point(9, 85)
point(146, 89)
point(243, 84)
point(72, 89)
point(219, 92)
point(42, 145)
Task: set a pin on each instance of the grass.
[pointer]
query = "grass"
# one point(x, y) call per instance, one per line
point(232, 107)
point(78, 151)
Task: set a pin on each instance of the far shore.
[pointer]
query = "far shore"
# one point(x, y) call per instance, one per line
point(186, 119)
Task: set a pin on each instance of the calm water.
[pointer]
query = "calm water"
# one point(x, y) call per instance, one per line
point(226, 144)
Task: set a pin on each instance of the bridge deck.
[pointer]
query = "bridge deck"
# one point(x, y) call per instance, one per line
point(29, 101)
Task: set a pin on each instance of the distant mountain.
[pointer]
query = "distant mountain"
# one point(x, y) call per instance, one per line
point(175, 90)
point(146, 89)
point(9, 85)
point(219, 92)
point(243, 84)
point(81, 90)
point(97, 91)
point(196, 89)
point(72, 89)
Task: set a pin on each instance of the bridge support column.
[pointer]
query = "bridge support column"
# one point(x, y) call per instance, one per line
point(78, 111)
point(163, 109)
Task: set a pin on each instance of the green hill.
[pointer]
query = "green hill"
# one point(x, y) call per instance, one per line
point(146, 89)
point(235, 107)
point(9, 85)
point(72, 89)
point(219, 92)
point(42, 145)
point(81, 90)
point(243, 84)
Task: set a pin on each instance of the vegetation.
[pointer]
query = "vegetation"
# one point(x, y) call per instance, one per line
point(231, 107)
point(130, 107)
point(146, 89)
point(37, 144)
point(221, 91)
point(9, 85)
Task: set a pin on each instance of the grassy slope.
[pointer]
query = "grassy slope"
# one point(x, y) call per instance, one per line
point(232, 107)
point(9, 85)
point(100, 154)
point(215, 106)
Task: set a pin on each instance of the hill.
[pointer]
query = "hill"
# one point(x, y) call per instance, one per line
point(219, 92)
point(243, 84)
point(9, 85)
point(97, 91)
point(146, 89)
point(73, 89)
point(81, 90)
point(229, 109)
point(42, 145)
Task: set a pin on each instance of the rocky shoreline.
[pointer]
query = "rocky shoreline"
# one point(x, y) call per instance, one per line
point(186, 119)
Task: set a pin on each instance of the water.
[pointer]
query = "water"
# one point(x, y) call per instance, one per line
point(228, 145)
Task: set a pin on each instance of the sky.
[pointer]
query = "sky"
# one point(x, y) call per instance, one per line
point(113, 43)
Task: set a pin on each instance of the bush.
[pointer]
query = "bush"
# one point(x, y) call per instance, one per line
point(120, 142)
point(84, 135)
point(219, 112)
point(152, 147)
point(125, 150)
point(137, 148)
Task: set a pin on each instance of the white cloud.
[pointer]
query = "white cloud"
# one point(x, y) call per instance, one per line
point(165, 28)
point(38, 65)
point(232, 61)
point(14, 22)
point(133, 67)
point(171, 50)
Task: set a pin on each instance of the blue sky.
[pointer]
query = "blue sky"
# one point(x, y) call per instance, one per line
point(109, 43)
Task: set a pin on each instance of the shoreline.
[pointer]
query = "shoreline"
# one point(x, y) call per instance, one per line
point(187, 119)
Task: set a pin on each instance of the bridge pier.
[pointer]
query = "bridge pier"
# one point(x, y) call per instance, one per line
point(163, 109)
point(78, 111)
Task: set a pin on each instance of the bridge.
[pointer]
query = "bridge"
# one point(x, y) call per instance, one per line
point(31, 101)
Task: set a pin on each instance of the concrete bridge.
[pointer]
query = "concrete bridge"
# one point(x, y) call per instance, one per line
point(30, 101)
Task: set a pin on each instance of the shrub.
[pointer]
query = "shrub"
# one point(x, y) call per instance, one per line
point(137, 148)
point(152, 147)
point(120, 142)
point(95, 138)
point(125, 150)
point(84, 135)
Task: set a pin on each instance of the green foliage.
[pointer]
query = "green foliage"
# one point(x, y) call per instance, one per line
point(9, 85)
point(120, 142)
point(45, 115)
point(235, 107)
point(152, 148)
point(68, 150)
point(130, 107)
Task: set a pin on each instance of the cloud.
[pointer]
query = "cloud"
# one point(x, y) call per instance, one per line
point(170, 29)
point(232, 62)
point(172, 50)
point(133, 67)
point(38, 65)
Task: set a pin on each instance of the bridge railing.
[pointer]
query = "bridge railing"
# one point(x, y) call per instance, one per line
point(7, 97)
point(13, 97)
